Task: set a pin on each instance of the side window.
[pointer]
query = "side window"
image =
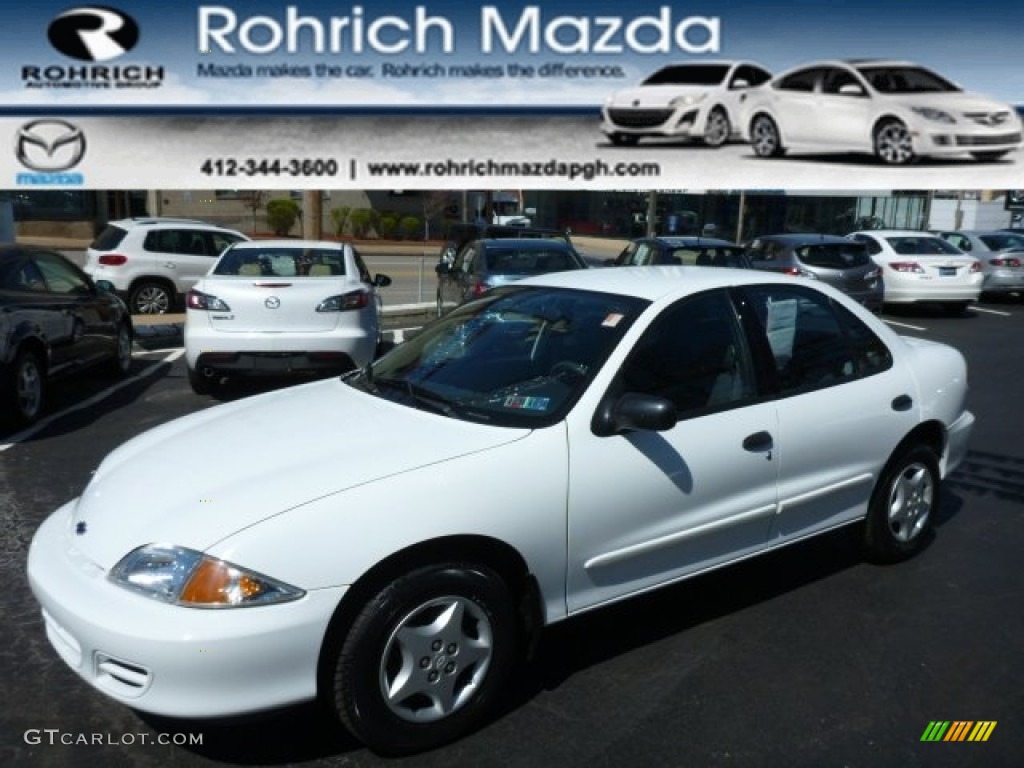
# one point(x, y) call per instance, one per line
point(644, 254)
point(835, 79)
point(468, 257)
point(196, 243)
point(217, 242)
point(165, 241)
point(814, 343)
point(695, 355)
point(803, 80)
point(23, 277)
point(625, 258)
point(364, 272)
point(752, 76)
point(61, 277)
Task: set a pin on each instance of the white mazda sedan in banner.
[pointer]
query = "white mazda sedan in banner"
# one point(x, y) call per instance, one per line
point(391, 541)
point(896, 110)
point(694, 100)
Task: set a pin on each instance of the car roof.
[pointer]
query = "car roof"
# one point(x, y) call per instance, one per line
point(525, 243)
point(655, 283)
point(802, 238)
point(323, 245)
point(683, 241)
point(895, 233)
point(16, 250)
point(164, 221)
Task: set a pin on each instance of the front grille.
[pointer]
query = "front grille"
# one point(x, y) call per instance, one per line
point(639, 118)
point(988, 141)
point(988, 118)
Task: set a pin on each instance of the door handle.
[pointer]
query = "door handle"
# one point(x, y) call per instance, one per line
point(902, 403)
point(758, 442)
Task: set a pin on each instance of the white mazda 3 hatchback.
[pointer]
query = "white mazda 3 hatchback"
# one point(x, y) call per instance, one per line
point(703, 101)
point(272, 307)
point(391, 541)
point(896, 110)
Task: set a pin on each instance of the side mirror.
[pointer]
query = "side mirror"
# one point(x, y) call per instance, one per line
point(632, 412)
point(851, 89)
point(381, 281)
point(442, 268)
point(739, 83)
point(104, 286)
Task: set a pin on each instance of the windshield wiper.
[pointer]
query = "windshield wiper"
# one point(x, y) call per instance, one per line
point(418, 394)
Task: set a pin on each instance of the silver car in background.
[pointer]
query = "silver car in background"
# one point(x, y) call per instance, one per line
point(1001, 255)
point(842, 263)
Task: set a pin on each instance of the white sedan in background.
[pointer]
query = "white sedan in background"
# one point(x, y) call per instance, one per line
point(272, 307)
point(390, 541)
point(921, 267)
point(692, 100)
point(896, 110)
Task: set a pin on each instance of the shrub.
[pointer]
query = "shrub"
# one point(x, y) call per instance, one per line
point(388, 225)
point(282, 214)
point(339, 217)
point(410, 228)
point(359, 220)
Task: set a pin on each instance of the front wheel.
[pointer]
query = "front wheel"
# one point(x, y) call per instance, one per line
point(765, 138)
point(121, 362)
point(893, 143)
point(903, 506)
point(717, 129)
point(426, 658)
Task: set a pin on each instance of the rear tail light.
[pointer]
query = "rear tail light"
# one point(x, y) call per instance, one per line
point(874, 274)
point(905, 266)
point(797, 272)
point(1005, 261)
point(203, 301)
point(344, 302)
point(113, 259)
point(479, 288)
point(975, 266)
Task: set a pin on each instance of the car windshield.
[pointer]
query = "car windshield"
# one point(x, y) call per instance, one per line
point(518, 357)
point(281, 262)
point(528, 261)
point(697, 74)
point(833, 255)
point(923, 246)
point(905, 80)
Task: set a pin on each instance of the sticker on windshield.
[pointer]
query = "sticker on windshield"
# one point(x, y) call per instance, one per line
point(612, 320)
point(527, 403)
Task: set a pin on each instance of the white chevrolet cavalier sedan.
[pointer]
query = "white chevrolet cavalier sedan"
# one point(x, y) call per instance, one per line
point(547, 449)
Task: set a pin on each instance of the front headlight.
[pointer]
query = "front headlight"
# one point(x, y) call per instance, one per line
point(688, 100)
point(936, 115)
point(185, 577)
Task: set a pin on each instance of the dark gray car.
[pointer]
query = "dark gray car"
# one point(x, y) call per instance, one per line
point(843, 264)
point(484, 264)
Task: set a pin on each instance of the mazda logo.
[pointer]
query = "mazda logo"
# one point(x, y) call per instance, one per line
point(272, 302)
point(93, 33)
point(49, 146)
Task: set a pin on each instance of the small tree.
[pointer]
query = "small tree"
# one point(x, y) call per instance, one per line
point(339, 217)
point(410, 227)
point(359, 219)
point(388, 225)
point(282, 213)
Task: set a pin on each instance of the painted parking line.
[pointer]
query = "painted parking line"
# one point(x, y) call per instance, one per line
point(904, 325)
point(992, 311)
point(20, 437)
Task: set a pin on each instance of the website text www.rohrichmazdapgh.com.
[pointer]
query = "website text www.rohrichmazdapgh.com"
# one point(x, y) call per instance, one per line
point(551, 169)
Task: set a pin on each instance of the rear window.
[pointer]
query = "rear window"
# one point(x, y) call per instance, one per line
point(513, 261)
point(109, 238)
point(923, 246)
point(833, 255)
point(711, 257)
point(281, 262)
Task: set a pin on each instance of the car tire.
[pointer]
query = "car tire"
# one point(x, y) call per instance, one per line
point(451, 633)
point(623, 139)
point(903, 506)
point(988, 157)
point(956, 308)
point(893, 143)
point(25, 388)
point(717, 129)
point(765, 137)
point(150, 298)
point(121, 362)
point(200, 383)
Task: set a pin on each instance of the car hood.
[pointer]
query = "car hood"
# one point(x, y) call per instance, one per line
point(956, 102)
point(655, 95)
point(201, 478)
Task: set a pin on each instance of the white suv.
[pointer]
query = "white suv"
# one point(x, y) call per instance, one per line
point(152, 262)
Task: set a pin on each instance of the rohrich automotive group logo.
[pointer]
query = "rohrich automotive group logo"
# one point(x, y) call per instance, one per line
point(50, 149)
point(93, 33)
point(958, 730)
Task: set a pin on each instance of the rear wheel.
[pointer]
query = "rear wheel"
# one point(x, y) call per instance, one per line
point(956, 308)
point(426, 658)
point(25, 388)
point(151, 298)
point(200, 383)
point(121, 363)
point(903, 506)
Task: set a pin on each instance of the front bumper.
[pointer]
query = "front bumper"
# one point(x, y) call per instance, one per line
point(684, 122)
point(961, 139)
point(168, 660)
point(957, 437)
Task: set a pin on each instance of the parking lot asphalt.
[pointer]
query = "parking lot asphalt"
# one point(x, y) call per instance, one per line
point(805, 657)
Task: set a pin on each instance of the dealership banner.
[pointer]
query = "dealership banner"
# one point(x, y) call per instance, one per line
point(435, 94)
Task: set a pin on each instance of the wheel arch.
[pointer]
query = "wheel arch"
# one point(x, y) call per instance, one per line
point(930, 434)
point(885, 117)
point(498, 555)
point(763, 112)
point(159, 279)
point(34, 344)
